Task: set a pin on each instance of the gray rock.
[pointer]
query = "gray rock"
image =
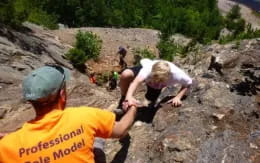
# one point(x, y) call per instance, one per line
point(224, 148)
point(180, 40)
point(225, 32)
point(2, 112)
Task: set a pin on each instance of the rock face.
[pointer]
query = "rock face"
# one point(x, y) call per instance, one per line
point(218, 122)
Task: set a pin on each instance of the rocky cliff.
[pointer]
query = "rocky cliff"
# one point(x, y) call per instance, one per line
point(219, 121)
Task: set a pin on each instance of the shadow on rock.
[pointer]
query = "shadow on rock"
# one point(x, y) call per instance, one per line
point(122, 153)
point(250, 86)
point(146, 114)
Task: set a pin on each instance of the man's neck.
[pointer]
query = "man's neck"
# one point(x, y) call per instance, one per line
point(45, 110)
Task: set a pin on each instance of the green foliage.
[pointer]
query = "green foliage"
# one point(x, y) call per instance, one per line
point(40, 17)
point(102, 78)
point(13, 12)
point(89, 43)
point(199, 19)
point(116, 18)
point(76, 56)
point(237, 45)
point(234, 13)
point(88, 46)
point(249, 33)
point(142, 53)
point(234, 22)
point(168, 49)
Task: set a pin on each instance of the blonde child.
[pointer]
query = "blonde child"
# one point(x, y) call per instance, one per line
point(157, 74)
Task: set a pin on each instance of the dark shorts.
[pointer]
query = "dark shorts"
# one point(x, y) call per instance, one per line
point(151, 94)
point(99, 155)
point(135, 70)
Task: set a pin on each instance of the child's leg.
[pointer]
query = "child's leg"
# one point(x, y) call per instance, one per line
point(126, 77)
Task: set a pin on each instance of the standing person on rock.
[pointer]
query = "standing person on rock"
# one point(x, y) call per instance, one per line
point(113, 80)
point(57, 134)
point(92, 78)
point(122, 53)
point(156, 74)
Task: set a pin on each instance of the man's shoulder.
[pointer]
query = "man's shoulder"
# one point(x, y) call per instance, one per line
point(82, 110)
point(89, 114)
point(146, 62)
point(10, 138)
point(176, 69)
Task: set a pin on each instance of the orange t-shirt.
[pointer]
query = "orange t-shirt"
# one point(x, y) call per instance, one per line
point(59, 136)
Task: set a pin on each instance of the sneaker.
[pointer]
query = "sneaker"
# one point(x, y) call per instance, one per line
point(118, 111)
point(98, 150)
point(120, 103)
point(99, 143)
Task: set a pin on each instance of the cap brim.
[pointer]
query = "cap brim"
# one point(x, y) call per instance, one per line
point(66, 73)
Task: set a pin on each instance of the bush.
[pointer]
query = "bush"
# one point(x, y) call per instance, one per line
point(249, 33)
point(76, 56)
point(142, 53)
point(102, 78)
point(88, 45)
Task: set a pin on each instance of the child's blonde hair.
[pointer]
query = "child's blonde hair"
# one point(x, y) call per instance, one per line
point(160, 72)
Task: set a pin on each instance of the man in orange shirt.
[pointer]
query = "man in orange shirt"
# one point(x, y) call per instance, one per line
point(58, 134)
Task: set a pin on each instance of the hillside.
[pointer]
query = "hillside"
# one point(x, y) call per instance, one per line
point(219, 121)
point(246, 13)
point(112, 38)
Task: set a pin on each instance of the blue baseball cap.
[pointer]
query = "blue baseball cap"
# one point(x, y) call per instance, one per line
point(44, 81)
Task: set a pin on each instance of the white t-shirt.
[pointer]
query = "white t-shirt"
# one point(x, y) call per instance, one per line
point(178, 76)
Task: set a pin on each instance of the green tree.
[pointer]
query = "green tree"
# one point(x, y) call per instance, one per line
point(234, 22)
point(41, 17)
point(13, 12)
point(199, 19)
point(167, 49)
point(140, 53)
point(234, 13)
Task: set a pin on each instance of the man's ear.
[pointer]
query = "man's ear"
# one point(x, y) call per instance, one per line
point(63, 94)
